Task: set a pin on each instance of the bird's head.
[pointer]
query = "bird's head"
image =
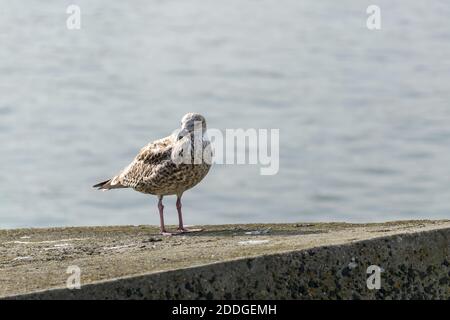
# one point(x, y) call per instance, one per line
point(191, 122)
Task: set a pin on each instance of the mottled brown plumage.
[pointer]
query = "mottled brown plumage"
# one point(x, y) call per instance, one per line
point(168, 166)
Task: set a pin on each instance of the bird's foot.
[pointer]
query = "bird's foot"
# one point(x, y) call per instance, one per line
point(186, 230)
point(168, 234)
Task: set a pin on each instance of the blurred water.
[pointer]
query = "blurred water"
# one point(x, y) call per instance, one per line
point(363, 115)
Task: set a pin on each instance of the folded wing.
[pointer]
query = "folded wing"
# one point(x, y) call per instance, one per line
point(146, 164)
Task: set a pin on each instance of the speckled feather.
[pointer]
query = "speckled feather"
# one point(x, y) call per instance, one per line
point(154, 172)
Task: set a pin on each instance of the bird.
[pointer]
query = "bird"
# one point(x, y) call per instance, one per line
point(169, 166)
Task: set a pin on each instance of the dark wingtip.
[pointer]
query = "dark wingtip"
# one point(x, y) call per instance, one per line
point(101, 184)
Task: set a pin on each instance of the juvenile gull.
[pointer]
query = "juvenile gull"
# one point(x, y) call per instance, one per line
point(168, 166)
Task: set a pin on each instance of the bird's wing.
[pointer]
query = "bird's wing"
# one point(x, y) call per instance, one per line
point(148, 160)
point(156, 151)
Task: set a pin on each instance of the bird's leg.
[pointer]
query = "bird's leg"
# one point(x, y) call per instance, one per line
point(161, 218)
point(180, 215)
point(181, 227)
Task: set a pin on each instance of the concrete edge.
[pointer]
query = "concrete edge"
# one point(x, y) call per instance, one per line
point(125, 282)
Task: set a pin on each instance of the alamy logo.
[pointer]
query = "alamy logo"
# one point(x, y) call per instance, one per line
point(73, 22)
point(74, 280)
point(374, 20)
point(374, 280)
point(234, 146)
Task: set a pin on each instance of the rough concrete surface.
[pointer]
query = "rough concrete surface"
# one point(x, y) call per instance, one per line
point(278, 261)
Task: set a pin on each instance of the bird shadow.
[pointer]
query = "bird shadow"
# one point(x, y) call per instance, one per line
point(244, 232)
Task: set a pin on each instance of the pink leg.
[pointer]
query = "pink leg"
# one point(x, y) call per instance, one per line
point(181, 227)
point(161, 218)
point(180, 215)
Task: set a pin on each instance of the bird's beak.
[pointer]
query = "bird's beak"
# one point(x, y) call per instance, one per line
point(183, 132)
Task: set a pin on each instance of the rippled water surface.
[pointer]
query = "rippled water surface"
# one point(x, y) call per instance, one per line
point(363, 115)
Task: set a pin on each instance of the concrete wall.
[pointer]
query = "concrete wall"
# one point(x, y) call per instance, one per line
point(416, 266)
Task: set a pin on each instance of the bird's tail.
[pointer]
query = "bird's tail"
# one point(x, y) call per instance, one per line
point(106, 185)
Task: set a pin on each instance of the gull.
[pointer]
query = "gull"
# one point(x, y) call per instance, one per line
point(168, 166)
